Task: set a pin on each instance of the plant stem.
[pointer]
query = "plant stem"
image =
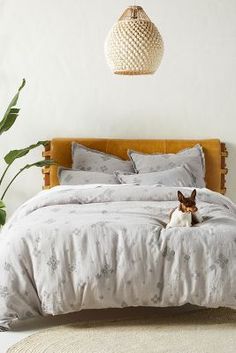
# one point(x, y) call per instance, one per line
point(20, 171)
point(4, 173)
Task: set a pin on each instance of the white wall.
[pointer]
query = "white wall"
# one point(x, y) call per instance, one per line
point(57, 45)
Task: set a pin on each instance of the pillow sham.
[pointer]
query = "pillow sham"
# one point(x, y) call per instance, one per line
point(84, 158)
point(193, 157)
point(179, 176)
point(78, 177)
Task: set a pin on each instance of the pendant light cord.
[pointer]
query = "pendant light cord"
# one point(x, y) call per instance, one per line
point(134, 10)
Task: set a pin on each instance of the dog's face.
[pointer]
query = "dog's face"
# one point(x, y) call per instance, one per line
point(187, 204)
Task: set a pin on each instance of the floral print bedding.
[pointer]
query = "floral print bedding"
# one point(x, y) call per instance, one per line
point(156, 162)
point(99, 246)
point(68, 176)
point(88, 159)
point(179, 176)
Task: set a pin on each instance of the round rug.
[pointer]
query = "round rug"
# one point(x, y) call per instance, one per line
point(206, 331)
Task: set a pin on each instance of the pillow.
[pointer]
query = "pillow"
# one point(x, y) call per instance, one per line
point(194, 157)
point(78, 177)
point(179, 176)
point(85, 158)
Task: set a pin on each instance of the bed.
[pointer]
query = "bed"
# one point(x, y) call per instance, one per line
point(96, 246)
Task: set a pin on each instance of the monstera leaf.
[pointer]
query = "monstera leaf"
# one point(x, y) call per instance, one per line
point(14, 154)
point(2, 214)
point(11, 113)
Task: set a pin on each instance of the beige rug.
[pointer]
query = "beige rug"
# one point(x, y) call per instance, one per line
point(206, 331)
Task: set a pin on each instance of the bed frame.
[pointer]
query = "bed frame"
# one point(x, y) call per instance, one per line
point(59, 149)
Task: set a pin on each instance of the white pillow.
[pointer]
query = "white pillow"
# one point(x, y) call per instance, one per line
point(85, 158)
point(193, 157)
point(78, 177)
point(179, 176)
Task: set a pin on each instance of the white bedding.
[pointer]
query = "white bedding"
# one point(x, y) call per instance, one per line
point(99, 246)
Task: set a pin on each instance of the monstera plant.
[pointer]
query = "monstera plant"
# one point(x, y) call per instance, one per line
point(6, 123)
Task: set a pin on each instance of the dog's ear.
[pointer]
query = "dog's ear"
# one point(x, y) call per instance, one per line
point(193, 195)
point(180, 197)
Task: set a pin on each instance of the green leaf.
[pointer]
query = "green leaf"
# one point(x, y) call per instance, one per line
point(14, 154)
point(11, 113)
point(40, 164)
point(43, 163)
point(2, 205)
point(2, 217)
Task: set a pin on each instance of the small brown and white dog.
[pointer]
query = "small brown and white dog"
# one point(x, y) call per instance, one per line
point(186, 214)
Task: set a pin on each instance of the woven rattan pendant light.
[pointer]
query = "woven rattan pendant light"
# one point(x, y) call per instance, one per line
point(134, 45)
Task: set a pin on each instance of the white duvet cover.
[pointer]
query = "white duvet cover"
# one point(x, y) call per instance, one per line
point(100, 246)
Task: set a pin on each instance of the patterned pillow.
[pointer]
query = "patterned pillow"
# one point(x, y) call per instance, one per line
point(85, 158)
point(179, 176)
point(194, 157)
point(78, 177)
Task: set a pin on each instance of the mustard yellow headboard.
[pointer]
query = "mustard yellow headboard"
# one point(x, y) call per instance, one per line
point(59, 149)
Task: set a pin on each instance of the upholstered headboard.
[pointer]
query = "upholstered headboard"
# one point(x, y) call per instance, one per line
point(215, 152)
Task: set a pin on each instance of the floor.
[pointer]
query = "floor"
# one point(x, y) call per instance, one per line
point(26, 328)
